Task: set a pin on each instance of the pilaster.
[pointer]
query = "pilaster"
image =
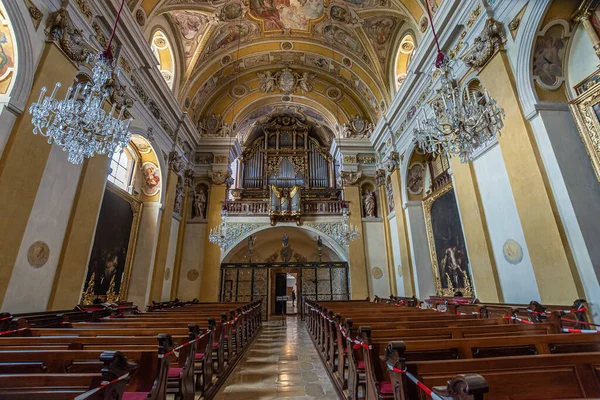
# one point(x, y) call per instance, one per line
point(164, 232)
point(211, 267)
point(380, 177)
point(185, 211)
point(483, 265)
point(553, 265)
point(405, 258)
point(23, 163)
point(70, 273)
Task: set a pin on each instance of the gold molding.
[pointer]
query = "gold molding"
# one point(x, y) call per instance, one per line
point(468, 290)
point(588, 123)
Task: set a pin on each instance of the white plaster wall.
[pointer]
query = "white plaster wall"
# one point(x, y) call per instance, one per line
point(193, 257)
point(143, 261)
point(419, 248)
point(376, 257)
point(517, 281)
point(396, 256)
point(582, 58)
point(30, 287)
point(171, 252)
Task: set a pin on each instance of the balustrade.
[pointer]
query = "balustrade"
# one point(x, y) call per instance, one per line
point(261, 207)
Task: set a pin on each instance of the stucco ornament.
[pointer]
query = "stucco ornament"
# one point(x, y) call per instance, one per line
point(358, 127)
point(61, 29)
point(218, 177)
point(175, 162)
point(38, 254)
point(286, 81)
point(213, 126)
point(485, 45)
point(377, 273)
point(349, 177)
point(513, 252)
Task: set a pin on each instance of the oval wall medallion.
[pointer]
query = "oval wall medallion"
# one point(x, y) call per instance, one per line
point(193, 274)
point(38, 254)
point(399, 270)
point(513, 252)
point(377, 273)
point(167, 274)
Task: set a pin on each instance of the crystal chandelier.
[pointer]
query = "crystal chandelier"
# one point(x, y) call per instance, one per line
point(347, 232)
point(457, 123)
point(219, 235)
point(79, 123)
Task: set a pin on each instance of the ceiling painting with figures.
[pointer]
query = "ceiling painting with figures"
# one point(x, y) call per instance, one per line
point(330, 60)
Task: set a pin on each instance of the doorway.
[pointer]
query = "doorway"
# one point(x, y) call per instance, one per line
point(292, 293)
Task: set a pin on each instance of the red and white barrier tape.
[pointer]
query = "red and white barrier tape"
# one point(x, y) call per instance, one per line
point(356, 344)
point(99, 388)
point(524, 321)
point(569, 330)
point(6, 318)
point(12, 331)
point(175, 351)
point(417, 382)
point(464, 313)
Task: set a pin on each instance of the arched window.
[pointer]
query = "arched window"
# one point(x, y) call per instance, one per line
point(405, 51)
point(164, 54)
point(122, 166)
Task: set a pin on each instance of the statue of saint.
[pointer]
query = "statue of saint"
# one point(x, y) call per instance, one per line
point(199, 204)
point(369, 204)
point(251, 239)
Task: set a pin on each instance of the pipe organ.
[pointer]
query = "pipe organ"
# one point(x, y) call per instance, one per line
point(286, 156)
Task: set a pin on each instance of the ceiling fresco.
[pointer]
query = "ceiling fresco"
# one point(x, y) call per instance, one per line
point(328, 60)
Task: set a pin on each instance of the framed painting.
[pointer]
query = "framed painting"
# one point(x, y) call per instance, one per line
point(449, 258)
point(109, 268)
point(586, 110)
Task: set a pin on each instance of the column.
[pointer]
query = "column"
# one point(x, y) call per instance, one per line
point(584, 18)
point(185, 212)
point(359, 284)
point(166, 219)
point(23, 162)
point(481, 256)
point(211, 267)
point(405, 258)
point(552, 261)
point(79, 237)
point(380, 181)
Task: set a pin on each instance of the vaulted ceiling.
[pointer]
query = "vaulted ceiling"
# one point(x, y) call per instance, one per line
point(246, 59)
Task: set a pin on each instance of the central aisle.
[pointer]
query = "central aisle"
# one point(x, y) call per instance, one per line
point(281, 363)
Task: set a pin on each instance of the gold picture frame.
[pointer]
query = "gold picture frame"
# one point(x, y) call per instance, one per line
point(87, 296)
point(468, 290)
point(586, 110)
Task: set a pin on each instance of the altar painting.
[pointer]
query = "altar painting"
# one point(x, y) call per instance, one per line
point(447, 246)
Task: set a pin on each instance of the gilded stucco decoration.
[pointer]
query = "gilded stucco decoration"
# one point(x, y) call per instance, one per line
point(238, 229)
point(331, 229)
point(35, 13)
point(175, 162)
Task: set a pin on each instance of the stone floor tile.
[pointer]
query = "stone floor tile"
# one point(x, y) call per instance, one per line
point(282, 363)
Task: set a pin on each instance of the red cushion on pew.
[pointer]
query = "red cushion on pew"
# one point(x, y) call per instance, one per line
point(174, 372)
point(386, 387)
point(135, 395)
point(199, 356)
point(226, 337)
point(215, 345)
point(361, 365)
point(346, 350)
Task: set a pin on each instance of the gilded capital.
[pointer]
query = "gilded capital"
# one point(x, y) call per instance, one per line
point(218, 177)
point(488, 43)
point(175, 162)
point(347, 178)
point(380, 177)
point(188, 177)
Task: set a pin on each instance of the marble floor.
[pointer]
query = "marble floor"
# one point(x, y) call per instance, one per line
point(282, 363)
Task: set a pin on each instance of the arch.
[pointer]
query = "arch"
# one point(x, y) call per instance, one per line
point(327, 240)
point(147, 153)
point(162, 49)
